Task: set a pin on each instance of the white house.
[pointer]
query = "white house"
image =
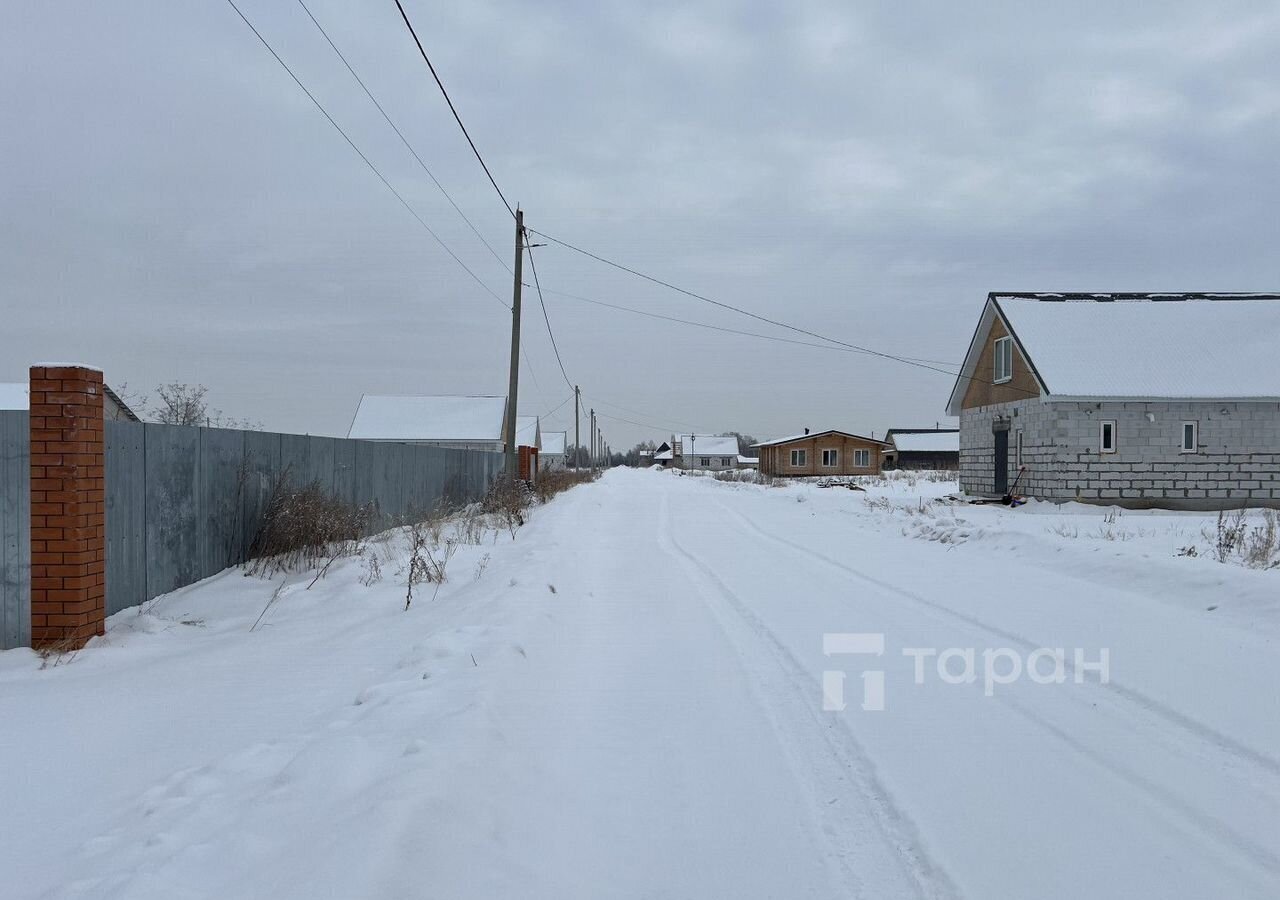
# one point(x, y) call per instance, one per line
point(459, 422)
point(552, 455)
point(710, 452)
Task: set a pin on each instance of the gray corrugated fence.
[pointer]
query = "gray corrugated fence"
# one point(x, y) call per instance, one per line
point(184, 503)
point(15, 530)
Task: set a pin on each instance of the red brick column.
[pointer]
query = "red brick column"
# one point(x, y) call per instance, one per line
point(68, 511)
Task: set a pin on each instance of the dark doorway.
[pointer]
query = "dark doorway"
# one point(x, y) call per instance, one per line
point(1002, 462)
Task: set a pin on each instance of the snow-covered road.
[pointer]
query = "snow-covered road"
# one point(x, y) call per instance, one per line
point(626, 701)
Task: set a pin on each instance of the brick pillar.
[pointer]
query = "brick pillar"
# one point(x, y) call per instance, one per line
point(68, 524)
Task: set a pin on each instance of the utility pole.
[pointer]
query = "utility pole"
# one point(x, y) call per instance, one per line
point(577, 447)
point(513, 387)
point(591, 453)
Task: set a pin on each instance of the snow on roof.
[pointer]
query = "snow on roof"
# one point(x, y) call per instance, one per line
point(928, 442)
point(708, 444)
point(747, 460)
point(664, 454)
point(382, 417)
point(553, 442)
point(527, 432)
point(802, 436)
point(1193, 348)
point(15, 395)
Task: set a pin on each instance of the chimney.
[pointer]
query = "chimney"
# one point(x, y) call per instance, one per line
point(806, 431)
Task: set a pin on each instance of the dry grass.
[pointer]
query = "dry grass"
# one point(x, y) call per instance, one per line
point(304, 528)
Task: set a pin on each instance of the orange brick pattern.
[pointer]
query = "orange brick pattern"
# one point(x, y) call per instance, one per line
point(68, 507)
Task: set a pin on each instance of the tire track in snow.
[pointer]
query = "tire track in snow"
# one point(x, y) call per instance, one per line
point(1233, 841)
point(1150, 705)
point(846, 761)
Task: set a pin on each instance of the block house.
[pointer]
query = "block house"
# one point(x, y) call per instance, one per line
point(1138, 400)
point(822, 453)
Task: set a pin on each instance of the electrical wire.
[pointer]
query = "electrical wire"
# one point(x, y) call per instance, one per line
point(541, 302)
point(361, 154)
point(452, 108)
point(368, 93)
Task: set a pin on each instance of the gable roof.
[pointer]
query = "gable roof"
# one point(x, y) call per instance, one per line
point(708, 444)
point(383, 417)
point(912, 440)
point(800, 437)
point(17, 395)
point(528, 431)
point(553, 442)
point(1138, 346)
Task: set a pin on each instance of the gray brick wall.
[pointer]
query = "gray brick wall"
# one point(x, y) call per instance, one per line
point(1237, 461)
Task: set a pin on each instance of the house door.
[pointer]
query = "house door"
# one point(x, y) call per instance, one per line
point(1002, 462)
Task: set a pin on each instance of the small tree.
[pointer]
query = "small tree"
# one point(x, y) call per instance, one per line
point(181, 404)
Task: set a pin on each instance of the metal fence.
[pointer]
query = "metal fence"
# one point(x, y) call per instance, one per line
point(184, 503)
point(15, 530)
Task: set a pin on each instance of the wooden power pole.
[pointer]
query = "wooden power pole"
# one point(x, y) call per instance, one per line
point(577, 446)
point(513, 387)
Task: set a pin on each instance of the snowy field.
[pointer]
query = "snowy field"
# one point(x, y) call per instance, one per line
point(627, 700)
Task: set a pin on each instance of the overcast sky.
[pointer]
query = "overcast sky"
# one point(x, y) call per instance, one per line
point(173, 208)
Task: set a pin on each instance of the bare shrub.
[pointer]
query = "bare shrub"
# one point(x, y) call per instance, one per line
point(745, 476)
point(1229, 534)
point(428, 557)
point(303, 527)
point(1260, 548)
point(508, 498)
point(557, 481)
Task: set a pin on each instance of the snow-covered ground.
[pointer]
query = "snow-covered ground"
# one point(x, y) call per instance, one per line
point(627, 700)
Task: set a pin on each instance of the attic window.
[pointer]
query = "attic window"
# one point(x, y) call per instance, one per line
point(1003, 360)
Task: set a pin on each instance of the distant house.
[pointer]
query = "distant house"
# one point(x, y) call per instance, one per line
point(1141, 400)
point(459, 422)
point(922, 448)
point(663, 455)
point(706, 452)
point(822, 453)
point(17, 395)
point(554, 444)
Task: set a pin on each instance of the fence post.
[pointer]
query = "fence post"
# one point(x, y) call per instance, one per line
point(68, 533)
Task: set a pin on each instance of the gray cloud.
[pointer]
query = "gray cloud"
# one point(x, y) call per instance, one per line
point(174, 208)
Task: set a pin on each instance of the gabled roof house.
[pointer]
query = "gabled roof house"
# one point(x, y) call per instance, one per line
point(712, 452)
point(830, 452)
point(460, 422)
point(1141, 400)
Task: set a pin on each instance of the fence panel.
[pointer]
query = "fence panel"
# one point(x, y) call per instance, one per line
point(15, 530)
point(173, 519)
point(184, 503)
point(126, 495)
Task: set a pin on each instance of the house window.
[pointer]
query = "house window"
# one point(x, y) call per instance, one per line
point(1004, 360)
point(830, 458)
point(1107, 436)
point(1190, 437)
point(704, 461)
point(799, 458)
point(862, 459)
point(1018, 449)
point(724, 460)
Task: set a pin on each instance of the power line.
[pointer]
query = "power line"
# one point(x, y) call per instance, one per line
point(453, 109)
point(754, 334)
point(737, 309)
point(400, 134)
point(361, 153)
point(560, 406)
point(533, 268)
point(645, 414)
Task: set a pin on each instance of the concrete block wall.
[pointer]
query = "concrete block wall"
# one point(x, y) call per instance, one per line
point(1236, 463)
